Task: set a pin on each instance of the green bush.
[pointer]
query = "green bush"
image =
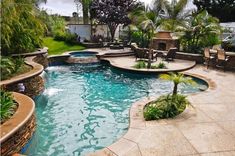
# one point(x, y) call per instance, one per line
point(59, 36)
point(8, 105)
point(143, 65)
point(9, 66)
point(140, 65)
point(161, 65)
point(139, 38)
point(67, 37)
point(166, 106)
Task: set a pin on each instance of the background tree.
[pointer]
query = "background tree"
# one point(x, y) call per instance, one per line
point(21, 29)
point(175, 13)
point(201, 31)
point(144, 21)
point(112, 12)
point(224, 10)
point(85, 10)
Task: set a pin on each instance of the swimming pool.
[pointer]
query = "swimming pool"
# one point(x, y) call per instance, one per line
point(83, 54)
point(85, 107)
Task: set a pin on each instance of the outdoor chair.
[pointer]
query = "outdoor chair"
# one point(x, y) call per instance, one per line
point(141, 53)
point(134, 46)
point(170, 55)
point(222, 59)
point(208, 57)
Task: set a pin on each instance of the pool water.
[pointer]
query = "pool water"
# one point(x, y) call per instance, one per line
point(85, 107)
point(83, 54)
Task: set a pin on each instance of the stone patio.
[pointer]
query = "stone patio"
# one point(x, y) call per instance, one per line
point(129, 62)
point(206, 129)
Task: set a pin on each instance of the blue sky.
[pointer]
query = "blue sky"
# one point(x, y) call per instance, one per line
point(66, 7)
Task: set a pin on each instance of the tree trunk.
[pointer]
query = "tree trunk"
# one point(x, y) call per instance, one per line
point(85, 11)
point(112, 28)
point(175, 89)
point(149, 59)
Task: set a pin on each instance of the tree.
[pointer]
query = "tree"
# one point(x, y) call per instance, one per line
point(145, 20)
point(224, 10)
point(21, 29)
point(202, 30)
point(112, 12)
point(177, 78)
point(85, 10)
point(175, 13)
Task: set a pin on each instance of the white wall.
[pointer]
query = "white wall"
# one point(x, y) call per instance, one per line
point(84, 31)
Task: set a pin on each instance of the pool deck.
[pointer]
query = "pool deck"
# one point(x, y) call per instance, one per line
point(128, 62)
point(206, 129)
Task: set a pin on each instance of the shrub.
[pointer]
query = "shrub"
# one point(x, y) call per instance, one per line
point(166, 106)
point(8, 105)
point(9, 66)
point(140, 64)
point(139, 38)
point(70, 38)
point(161, 65)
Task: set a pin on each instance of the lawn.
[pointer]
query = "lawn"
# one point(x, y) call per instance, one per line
point(59, 47)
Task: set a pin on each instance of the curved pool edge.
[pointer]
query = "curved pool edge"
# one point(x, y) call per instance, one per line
point(18, 130)
point(148, 71)
point(137, 123)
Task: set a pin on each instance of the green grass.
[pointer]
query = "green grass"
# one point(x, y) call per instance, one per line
point(59, 47)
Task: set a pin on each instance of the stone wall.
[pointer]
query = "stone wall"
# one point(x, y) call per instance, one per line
point(188, 56)
point(42, 59)
point(199, 58)
point(19, 139)
point(33, 86)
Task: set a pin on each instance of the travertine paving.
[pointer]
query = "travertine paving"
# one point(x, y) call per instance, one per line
point(206, 129)
point(130, 61)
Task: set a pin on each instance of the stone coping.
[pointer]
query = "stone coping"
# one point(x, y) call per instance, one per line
point(37, 69)
point(24, 112)
point(39, 52)
point(137, 125)
point(150, 71)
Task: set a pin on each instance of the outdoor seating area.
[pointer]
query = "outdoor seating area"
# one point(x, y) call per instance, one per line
point(216, 58)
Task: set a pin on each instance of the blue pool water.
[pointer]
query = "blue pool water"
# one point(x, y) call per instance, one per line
point(83, 54)
point(85, 107)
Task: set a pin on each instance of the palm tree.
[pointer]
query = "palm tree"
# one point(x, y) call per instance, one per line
point(145, 20)
point(177, 78)
point(175, 13)
point(198, 31)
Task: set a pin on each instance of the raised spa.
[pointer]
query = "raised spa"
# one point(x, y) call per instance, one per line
point(83, 54)
point(86, 107)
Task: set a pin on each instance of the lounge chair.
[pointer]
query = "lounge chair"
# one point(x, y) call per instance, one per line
point(208, 57)
point(222, 59)
point(170, 55)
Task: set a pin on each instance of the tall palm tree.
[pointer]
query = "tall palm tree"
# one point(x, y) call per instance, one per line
point(177, 78)
point(85, 9)
point(145, 20)
point(175, 13)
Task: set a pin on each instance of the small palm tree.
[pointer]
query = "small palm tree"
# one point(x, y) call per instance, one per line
point(177, 78)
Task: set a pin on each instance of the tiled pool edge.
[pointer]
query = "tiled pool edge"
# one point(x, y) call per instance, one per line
point(137, 123)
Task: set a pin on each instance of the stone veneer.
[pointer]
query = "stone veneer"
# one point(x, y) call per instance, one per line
point(17, 131)
point(33, 86)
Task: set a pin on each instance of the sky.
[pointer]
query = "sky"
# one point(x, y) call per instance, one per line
point(67, 7)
